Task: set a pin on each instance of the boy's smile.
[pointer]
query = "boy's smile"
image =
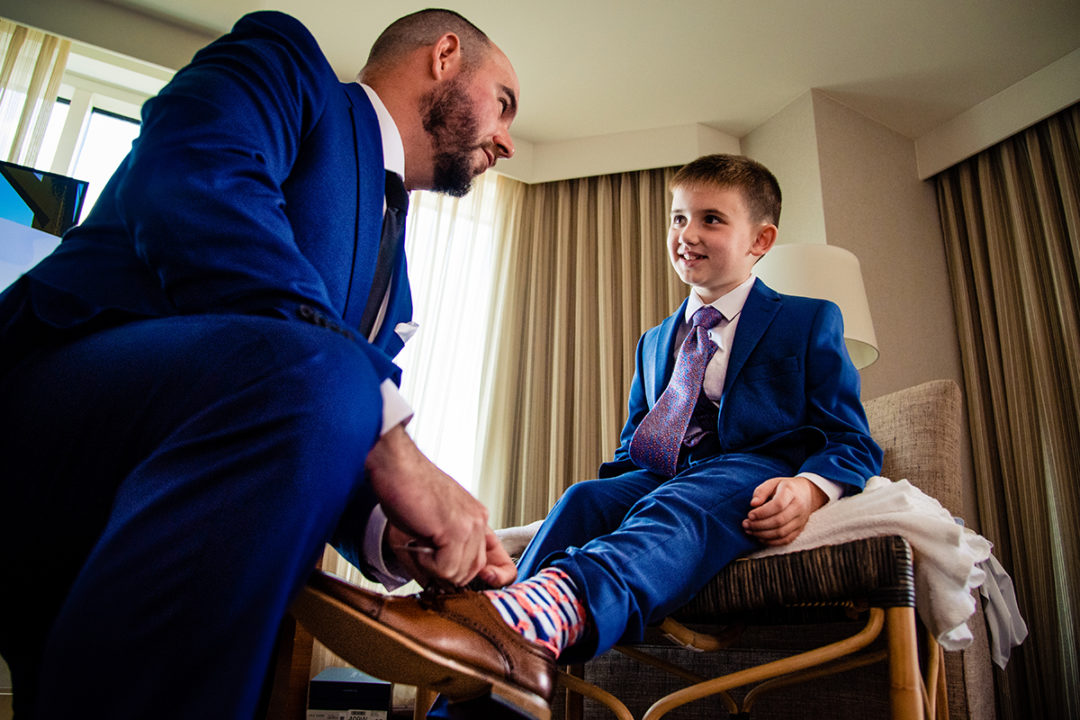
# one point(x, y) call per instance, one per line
point(712, 240)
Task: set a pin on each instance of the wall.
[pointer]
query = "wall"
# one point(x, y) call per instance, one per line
point(854, 183)
point(787, 145)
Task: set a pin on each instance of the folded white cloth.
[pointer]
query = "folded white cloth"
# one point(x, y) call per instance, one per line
point(515, 539)
point(946, 555)
point(1007, 627)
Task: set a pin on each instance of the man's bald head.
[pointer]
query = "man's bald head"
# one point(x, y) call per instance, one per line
point(422, 29)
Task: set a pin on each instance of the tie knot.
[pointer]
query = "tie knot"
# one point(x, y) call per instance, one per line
point(397, 197)
point(707, 316)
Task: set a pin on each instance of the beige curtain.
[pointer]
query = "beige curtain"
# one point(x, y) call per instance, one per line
point(583, 273)
point(1011, 220)
point(33, 64)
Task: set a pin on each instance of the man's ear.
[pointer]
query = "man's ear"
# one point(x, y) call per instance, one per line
point(446, 56)
point(764, 241)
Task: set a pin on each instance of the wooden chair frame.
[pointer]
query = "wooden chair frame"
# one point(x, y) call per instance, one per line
point(886, 591)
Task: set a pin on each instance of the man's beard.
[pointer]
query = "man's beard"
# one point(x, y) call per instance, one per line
point(450, 121)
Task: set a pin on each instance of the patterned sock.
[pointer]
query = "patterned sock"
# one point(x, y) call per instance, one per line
point(545, 609)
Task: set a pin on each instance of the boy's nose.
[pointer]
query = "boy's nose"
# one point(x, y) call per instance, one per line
point(687, 236)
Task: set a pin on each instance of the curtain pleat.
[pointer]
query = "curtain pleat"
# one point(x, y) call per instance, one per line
point(33, 65)
point(584, 273)
point(1011, 221)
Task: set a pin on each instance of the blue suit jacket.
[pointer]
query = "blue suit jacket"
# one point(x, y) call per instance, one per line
point(256, 185)
point(790, 391)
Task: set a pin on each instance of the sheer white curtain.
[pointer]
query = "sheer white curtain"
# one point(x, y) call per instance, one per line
point(33, 64)
point(452, 246)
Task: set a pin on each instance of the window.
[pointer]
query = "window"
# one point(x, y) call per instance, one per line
point(451, 250)
point(106, 141)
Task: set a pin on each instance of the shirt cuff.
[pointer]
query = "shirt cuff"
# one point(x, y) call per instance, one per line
point(396, 410)
point(832, 490)
point(378, 567)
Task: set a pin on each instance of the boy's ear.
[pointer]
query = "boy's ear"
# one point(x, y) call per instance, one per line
point(445, 56)
point(764, 241)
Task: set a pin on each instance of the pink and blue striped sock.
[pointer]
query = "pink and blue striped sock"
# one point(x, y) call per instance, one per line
point(545, 609)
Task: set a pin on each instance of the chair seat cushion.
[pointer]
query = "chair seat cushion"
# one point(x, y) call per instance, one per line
point(874, 571)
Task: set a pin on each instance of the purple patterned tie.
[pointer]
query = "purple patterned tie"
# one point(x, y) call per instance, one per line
point(656, 442)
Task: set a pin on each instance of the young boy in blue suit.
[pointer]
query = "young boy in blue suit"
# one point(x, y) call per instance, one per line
point(777, 430)
point(744, 418)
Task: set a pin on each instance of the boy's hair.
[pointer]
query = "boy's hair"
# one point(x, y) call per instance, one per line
point(759, 187)
point(424, 27)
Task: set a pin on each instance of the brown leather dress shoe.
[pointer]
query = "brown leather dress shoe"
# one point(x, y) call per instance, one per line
point(456, 644)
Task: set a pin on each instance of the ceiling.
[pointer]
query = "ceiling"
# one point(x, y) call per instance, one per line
point(598, 67)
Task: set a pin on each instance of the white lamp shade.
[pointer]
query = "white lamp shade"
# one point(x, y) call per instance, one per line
point(830, 273)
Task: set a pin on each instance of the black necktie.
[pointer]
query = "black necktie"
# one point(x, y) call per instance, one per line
point(390, 244)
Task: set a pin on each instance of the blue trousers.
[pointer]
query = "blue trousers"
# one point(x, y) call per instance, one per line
point(638, 545)
point(167, 487)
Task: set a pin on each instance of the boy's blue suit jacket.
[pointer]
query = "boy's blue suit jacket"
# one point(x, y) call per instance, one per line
point(256, 186)
point(790, 391)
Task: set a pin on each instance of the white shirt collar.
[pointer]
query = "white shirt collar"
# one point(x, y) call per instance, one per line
point(729, 305)
point(392, 147)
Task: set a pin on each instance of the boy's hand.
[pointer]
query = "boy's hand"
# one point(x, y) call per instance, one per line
point(780, 508)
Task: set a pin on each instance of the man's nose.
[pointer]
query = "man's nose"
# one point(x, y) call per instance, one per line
point(504, 144)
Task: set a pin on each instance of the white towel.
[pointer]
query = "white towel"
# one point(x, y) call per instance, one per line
point(946, 557)
point(1007, 627)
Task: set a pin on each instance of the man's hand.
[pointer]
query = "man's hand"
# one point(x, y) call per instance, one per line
point(499, 571)
point(429, 505)
point(781, 507)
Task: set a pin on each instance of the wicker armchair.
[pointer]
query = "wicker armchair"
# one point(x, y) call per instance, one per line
point(780, 622)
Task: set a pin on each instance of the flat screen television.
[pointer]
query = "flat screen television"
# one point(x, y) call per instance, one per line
point(36, 208)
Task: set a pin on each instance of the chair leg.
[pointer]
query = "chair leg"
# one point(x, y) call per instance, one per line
point(905, 691)
point(575, 702)
point(425, 697)
point(287, 698)
point(577, 686)
point(810, 658)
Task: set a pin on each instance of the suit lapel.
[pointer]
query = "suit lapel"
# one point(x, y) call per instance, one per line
point(761, 307)
point(663, 360)
point(371, 188)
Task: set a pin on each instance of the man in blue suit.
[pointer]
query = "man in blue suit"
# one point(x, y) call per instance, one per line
point(197, 387)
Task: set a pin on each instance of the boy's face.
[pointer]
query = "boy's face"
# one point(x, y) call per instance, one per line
point(712, 241)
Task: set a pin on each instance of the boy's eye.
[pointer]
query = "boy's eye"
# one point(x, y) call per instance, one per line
point(713, 219)
point(678, 220)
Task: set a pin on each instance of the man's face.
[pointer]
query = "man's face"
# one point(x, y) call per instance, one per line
point(468, 118)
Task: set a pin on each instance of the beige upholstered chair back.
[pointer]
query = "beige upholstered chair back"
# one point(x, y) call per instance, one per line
point(897, 422)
